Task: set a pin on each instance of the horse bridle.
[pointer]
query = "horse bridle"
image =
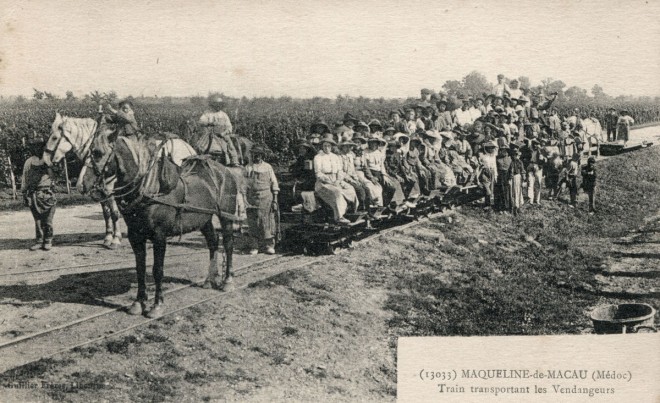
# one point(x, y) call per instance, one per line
point(80, 152)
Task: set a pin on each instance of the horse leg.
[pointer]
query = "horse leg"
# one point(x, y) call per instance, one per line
point(107, 241)
point(228, 245)
point(116, 229)
point(160, 245)
point(139, 245)
point(212, 242)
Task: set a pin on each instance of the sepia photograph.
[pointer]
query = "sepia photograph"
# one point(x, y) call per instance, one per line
point(346, 201)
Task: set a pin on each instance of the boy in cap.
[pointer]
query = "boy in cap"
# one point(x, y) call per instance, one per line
point(124, 117)
point(262, 190)
point(589, 182)
point(37, 189)
point(568, 176)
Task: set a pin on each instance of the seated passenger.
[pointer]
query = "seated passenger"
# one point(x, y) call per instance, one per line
point(442, 175)
point(373, 188)
point(374, 160)
point(411, 156)
point(303, 168)
point(396, 168)
point(350, 174)
point(330, 185)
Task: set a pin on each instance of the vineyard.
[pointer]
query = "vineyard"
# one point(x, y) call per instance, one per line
point(275, 122)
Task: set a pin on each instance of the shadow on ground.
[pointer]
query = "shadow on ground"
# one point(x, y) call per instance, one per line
point(80, 288)
point(63, 239)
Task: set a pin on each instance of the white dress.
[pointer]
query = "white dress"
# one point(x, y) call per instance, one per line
point(330, 186)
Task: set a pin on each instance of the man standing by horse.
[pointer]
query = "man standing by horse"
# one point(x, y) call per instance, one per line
point(37, 189)
point(218, 128)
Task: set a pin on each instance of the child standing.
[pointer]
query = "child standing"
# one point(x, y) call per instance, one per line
point(262, 190)
point(516, 173)
point(589, 182)
point(37, 189)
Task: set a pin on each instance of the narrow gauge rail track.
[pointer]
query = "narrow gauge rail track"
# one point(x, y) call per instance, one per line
point(82, 266)
point(88, 330)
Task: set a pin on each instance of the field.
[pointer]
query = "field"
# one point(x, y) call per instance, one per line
point(328, 329)
point(275, 122)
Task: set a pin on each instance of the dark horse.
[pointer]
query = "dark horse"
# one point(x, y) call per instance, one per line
point(203, 189)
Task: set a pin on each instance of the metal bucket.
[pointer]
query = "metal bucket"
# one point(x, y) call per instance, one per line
point(623, 318)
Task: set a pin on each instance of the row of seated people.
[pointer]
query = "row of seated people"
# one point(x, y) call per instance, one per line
point(384, 169)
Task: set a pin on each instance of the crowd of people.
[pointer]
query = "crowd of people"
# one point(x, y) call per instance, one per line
point(510, 142)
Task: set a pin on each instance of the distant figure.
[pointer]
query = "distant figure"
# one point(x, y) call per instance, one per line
point(623, 127)
point(611, 120)
point(37, 189)
point(218, 128)
point(501, 88)
point(589, 182)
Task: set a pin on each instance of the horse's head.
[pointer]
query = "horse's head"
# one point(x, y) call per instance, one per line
point(56, 148)
point(100, 165)
point(68, 134)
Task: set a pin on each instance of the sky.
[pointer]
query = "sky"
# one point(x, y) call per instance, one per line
point(381, 48)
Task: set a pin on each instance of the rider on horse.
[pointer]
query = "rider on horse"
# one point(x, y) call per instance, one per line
point(218, 127)
point(124, 118)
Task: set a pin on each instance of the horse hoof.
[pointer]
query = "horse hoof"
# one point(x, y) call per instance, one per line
point(116, 242)
point(155, 312)
point(136, 309)
point(107, 241)
point(228, 285)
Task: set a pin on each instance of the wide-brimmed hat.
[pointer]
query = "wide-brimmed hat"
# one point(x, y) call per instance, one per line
point(319, 123)
point(302, 143)
point(217, 100)
point(328, 138)
point(490, 144)
point(360, 139)
point(375, 123)
point(259, 149)
point(447, 135)
point(389, 129)
point(433, 134)
point(314, 138)
point(376, 139)
point(347, 144)
point(350, 118)
point(363, 125)
point(515, 145)
point(398, 136)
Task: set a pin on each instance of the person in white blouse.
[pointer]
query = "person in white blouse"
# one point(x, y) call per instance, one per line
point(330, 185)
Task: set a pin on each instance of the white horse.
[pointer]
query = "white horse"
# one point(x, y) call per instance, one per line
point(77, 134)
